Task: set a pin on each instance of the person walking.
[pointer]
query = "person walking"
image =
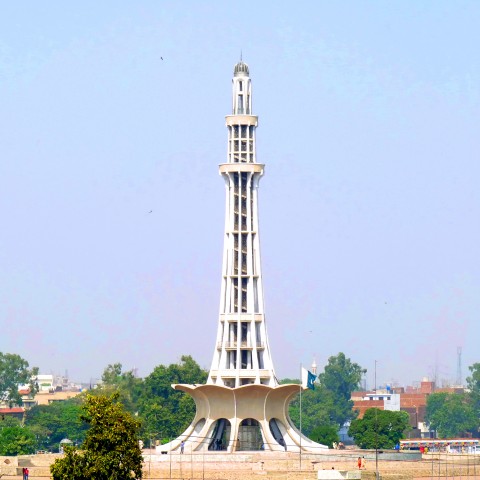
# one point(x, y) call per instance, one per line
point(359, 462)
point(26, 473)
point(182, 446)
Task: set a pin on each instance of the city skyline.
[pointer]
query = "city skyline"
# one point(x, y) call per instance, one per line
point(112, 208)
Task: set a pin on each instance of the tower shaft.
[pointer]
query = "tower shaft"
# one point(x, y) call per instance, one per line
point(242, 354)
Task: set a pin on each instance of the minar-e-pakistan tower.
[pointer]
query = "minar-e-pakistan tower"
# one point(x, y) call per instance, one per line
point(242, 407)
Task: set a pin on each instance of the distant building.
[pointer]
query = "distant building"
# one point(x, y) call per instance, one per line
point(50, 389)
point(47, 398)
point(412, 400)
point(16, 412)
point(381, 399)
point(45, 383)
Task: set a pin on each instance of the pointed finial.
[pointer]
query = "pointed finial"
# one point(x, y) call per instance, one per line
point(241, 59)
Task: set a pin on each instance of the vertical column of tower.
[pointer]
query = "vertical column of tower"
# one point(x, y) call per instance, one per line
point(242, 354)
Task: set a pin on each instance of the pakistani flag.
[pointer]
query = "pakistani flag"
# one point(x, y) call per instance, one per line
point(308, 379)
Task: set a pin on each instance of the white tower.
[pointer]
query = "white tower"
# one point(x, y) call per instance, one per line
point(242, 354)
point(241, 407)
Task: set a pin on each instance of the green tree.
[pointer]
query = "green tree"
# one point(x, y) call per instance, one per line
point(340, 378)
point(110, 450)
point(379, 428)
point(16, 440)
point(14, 371)
point(325, 434)
point(473, 384)
point(329, 405)
point(318, 409)
point(126, 384)
point(166, 412)
point(451, 414)
point(9, 421)
point(112, 375)
point(54, 422)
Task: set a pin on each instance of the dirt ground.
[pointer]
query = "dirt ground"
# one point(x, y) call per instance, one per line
point(280, 466)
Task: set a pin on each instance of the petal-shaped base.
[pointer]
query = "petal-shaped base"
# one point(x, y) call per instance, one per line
point(218, 405)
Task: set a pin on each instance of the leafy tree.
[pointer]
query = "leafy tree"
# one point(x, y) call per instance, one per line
point(451, 414)
point(166, 412)
point(379, 428)
point(340, 378)
point(54, 422)
point(16, 440)
point(318, 409)
point(14, 371)
point(125, 383)
point(473, 384)
point(9, 421)
point(329, 405)
point(110, 450)
point(325, 434)
point(112, 374)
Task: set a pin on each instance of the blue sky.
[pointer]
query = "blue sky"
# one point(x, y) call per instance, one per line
point(369, 208)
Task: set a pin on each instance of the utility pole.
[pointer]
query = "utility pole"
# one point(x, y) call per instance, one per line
point(376, 426)
point(459, 379)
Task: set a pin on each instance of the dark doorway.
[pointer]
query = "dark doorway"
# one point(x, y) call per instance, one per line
point(221, 435)
point(249, 436)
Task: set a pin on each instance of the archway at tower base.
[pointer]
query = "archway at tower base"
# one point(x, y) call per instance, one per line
point(249, 436)
point(221, 435)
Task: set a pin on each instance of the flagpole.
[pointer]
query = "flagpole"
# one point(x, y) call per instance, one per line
point(301, 388)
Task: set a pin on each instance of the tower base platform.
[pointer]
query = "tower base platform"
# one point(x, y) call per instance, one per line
point(249, 418)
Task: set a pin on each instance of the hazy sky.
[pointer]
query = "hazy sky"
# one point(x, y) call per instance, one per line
point(369, 208)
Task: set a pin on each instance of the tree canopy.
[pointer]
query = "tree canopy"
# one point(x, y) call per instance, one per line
point(126, 384)
point(325, 434)
point(473, 384)
point(451, 414)
point(166, 412)
point(339, 379)
point(329, 404)
point(52, 423)
point(110, 451)
point(15, 439)
point(15, 371)
point(316, 410)
point(379, 428)
point(473, 381)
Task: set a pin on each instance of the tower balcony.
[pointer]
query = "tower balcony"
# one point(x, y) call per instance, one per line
point(244, 274)
point(241, 167)
point(242, 317)
point(232, 120)
point(243, 230)
point(242, 345)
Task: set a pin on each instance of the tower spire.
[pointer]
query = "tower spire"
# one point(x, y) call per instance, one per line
point(242, 354)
